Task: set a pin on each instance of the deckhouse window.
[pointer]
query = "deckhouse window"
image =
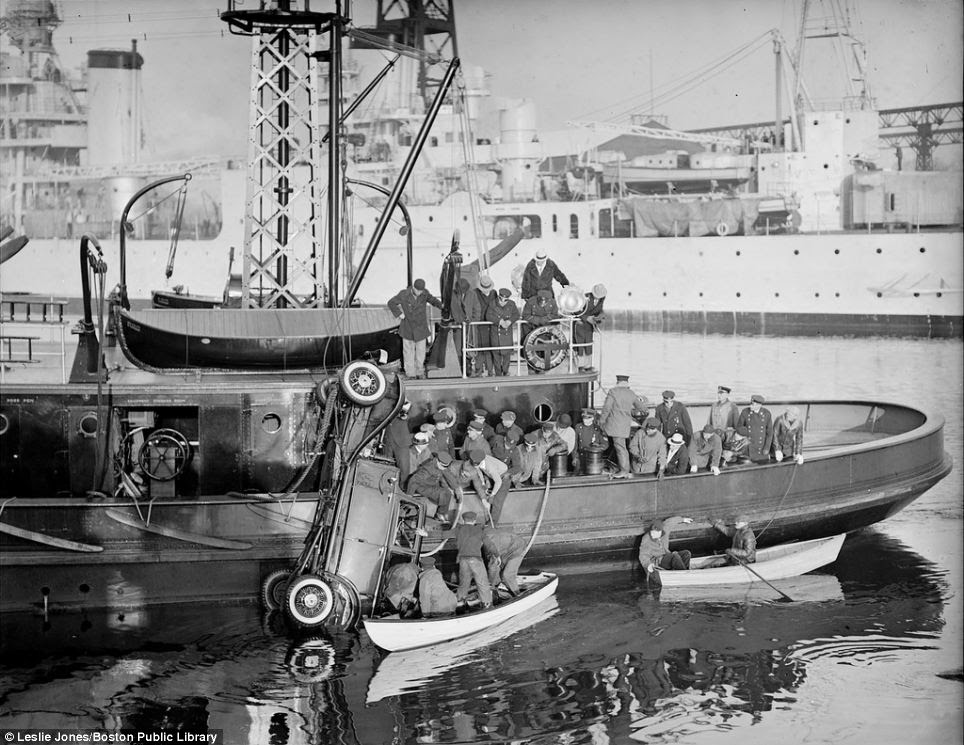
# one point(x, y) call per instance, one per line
point(573, 226)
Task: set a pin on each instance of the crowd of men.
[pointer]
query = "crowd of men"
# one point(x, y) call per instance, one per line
point(462, 472)
point(490, 318)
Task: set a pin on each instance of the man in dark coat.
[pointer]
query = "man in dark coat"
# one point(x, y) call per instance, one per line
point(585, 325)
point(758, 425)
point(589, 437)
point(677, 456)
point(466, 309)
point(410, 306)
point(616, 419)
point(502, 315)
point(538, 311)
point(673, 417)
point(485, 294)
point(539, 273)
point(398, 439)
point(434, 482)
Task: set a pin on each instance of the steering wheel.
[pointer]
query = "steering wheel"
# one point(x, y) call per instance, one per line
point(164, 454)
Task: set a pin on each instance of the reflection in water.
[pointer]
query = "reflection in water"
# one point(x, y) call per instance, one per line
point(611, 662)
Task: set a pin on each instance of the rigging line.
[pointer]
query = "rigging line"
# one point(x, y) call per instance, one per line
point(687, 86)
point(694, 73)
point(468, 155)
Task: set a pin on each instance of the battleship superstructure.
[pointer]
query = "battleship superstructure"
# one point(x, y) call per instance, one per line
point(808, 233)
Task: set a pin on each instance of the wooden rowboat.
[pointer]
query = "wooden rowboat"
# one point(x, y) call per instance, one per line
point(393, 633)
point(776, 562)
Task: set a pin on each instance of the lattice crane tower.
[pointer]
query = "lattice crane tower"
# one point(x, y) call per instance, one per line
point(284, 265)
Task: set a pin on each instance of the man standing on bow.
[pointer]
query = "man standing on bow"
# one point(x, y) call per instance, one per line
point(410, 306)
point(617, 419)
point(538, 275)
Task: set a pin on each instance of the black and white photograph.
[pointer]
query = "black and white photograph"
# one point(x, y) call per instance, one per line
point(538, 372)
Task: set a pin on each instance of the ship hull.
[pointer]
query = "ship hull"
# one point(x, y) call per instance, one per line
point(228, 519)
point(892, 283)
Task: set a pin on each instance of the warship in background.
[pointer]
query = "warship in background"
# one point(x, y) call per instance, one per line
point(793, 230)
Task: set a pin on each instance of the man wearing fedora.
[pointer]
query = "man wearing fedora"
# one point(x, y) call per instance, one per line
point(409, 306)
point(677, 456)
point(616, 419)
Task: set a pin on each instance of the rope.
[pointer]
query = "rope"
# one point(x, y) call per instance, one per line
point(776, 509)
point(542, 512)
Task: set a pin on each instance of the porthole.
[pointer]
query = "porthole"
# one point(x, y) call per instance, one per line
point(880, 294)
point(880, 250)
point(738, 294)
point(923, 250)
point(4, 424)
point(916, 294)
point(271, 423)
point(796, 252)
point(87, 426)
point(836, 250)
point(543, 412)
point(737, 253)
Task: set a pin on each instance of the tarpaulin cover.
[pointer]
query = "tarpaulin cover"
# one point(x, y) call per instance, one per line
point(693, 218)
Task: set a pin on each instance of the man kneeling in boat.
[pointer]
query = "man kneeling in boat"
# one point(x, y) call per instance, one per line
point(743, 550)
point(654, 553)
point(434, 596)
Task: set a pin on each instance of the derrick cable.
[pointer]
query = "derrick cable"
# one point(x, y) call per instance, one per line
point(468, 155)
point(688, 85)
point(694, 77)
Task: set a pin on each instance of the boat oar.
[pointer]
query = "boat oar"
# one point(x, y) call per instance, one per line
point(786, 598)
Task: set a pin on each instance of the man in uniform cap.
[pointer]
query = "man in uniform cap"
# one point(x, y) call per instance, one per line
point(585, 325)
point(526, 461)
point(480, 416)
point(673, 417)
point(654, 553)
point(706, 450)
point(475, 439)
point(434, 596)
point(539, 273)
point(589, 438)
point(723, 413)
point(443, 437)
point(434, 482)
point(410, 307)
point(507, 435)
point(617, 419)
point(539, 310)
point(756, 423)
point(647, 449)
point(502, 314)
point(468, 540)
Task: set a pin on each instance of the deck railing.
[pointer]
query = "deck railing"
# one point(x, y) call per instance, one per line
point(517, 347)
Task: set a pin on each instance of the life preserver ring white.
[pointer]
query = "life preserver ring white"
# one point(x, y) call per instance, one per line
point(722, 229)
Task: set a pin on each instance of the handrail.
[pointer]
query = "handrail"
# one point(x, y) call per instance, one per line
point(517, 341)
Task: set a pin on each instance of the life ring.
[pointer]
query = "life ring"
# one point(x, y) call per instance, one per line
point(722, 229)
point(363, 383)
point(164, 454)
point(545, 347)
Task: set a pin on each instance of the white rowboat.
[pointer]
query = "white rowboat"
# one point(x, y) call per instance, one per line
point(393, 633)
point(776, 562)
